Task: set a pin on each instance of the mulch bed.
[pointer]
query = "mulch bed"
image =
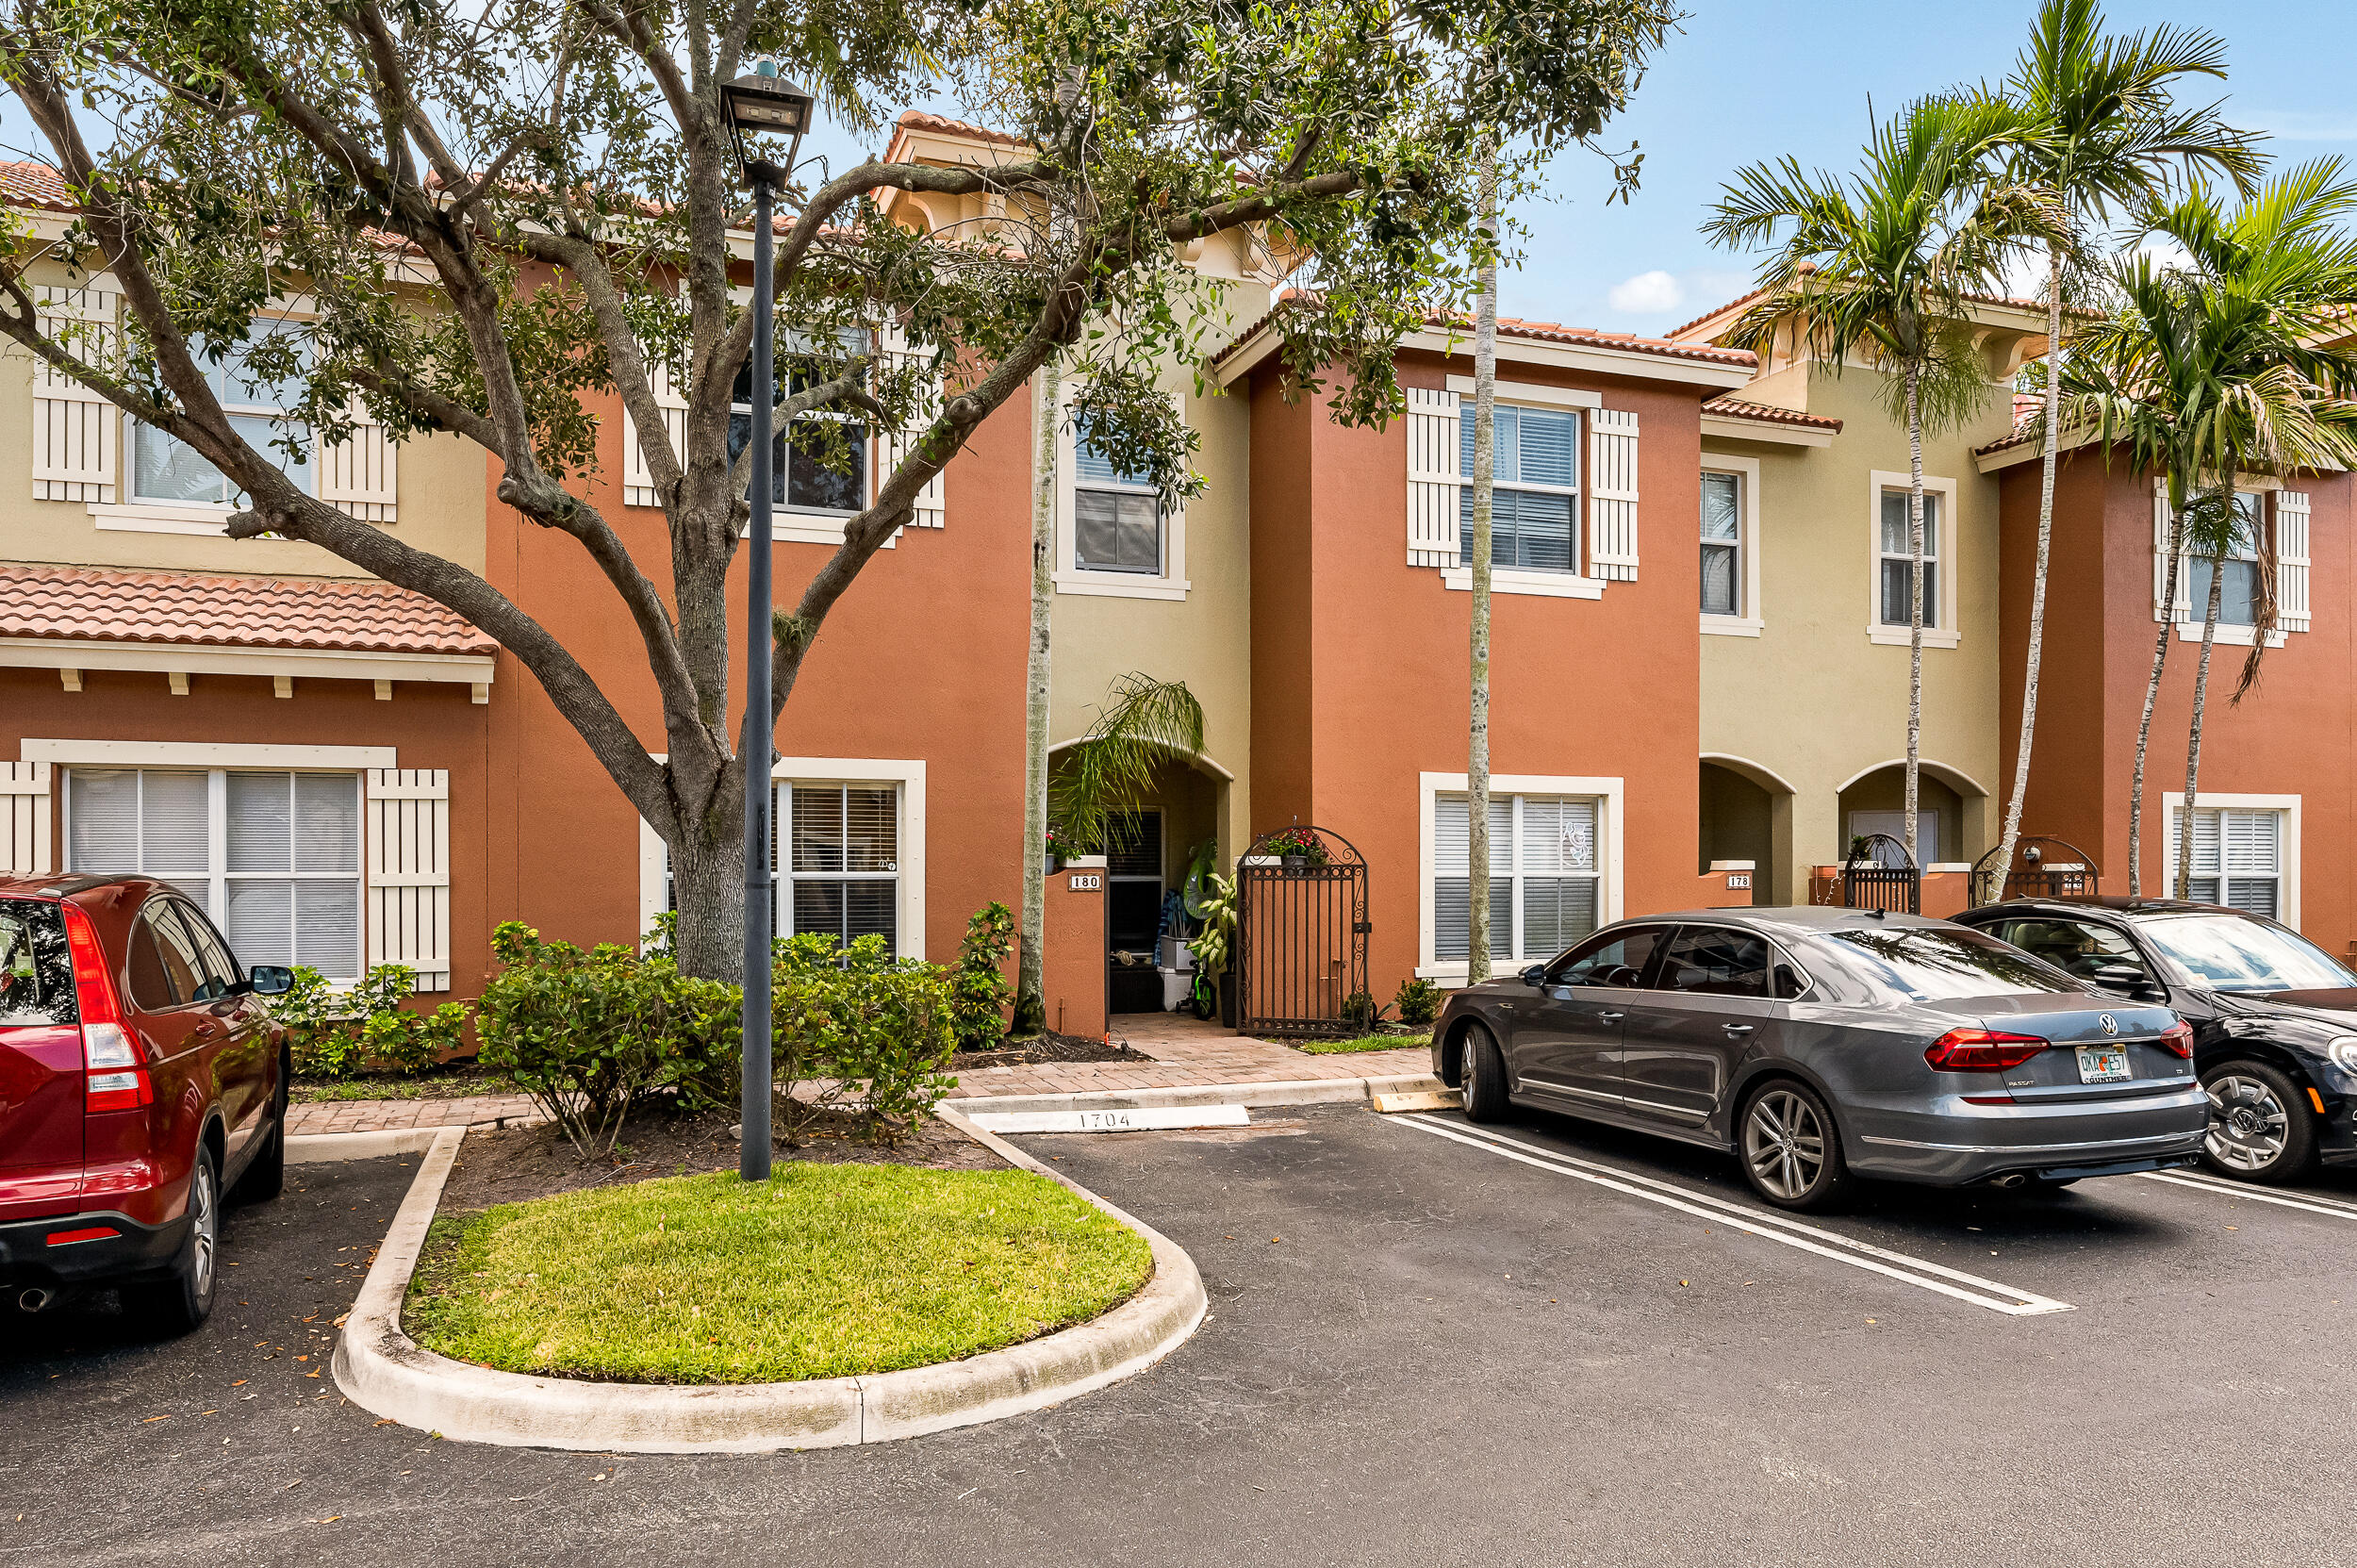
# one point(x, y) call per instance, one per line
point(1050, 1047)
point(519, 1163)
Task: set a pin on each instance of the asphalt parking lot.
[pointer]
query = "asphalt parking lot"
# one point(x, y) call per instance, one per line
point(1535, 1344)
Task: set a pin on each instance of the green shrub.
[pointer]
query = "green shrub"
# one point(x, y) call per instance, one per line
point(862, 1030)
point(591, 1035)
point(336, 1034)
point(978, 986)
point(1419, 1002)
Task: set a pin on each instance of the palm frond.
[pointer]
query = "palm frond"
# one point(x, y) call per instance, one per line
point(1142, 723)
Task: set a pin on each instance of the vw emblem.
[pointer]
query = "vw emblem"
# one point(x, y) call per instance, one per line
point(2111, 1025)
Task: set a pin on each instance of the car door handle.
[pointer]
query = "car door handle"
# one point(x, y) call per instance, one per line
point(204, 1030)
point(1737, 1028)
point(1610, 1017)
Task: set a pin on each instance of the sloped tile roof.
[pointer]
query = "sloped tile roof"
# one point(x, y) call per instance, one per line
point(1734, 407)
point(2006, 300)
point(1546, 332)
point(917, 120)
point(228, 612)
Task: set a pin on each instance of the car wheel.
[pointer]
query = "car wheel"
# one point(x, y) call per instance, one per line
point(1484, 1076)
point(179, 1304)
point(1790, 1150)
point(2260, 1127)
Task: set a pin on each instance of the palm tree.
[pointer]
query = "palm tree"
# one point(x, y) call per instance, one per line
point(1030, 982)
point(1484, 500)
point(1142, 723)
point(1883, 265)
point(2213, 366)
point(2101, 132)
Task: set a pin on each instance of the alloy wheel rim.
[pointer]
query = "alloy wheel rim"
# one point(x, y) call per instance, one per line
point(1784, 1144)
point(2249, 1127)
point(206, 1227)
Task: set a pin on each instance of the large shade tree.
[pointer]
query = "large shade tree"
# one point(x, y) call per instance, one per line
point(499, 214)
point(1883, 268)
point(2225, 362)
point(2100, 136)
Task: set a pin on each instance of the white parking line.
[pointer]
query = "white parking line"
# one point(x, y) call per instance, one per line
point(2332, 1208)
point(1919, 1272)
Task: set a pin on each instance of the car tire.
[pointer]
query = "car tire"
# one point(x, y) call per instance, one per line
point(1483, 1074)
point(2261, 1128)
point(175, 1305)
point(1791, 1148)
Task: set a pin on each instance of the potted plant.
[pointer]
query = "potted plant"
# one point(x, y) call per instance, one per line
point(1058, 846)
point(1297, 848)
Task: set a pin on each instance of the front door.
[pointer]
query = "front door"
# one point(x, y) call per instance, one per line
point(1706, 1007)
point(1568, 1046)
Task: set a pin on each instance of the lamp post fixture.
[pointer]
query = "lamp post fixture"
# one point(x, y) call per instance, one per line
point(757, 104)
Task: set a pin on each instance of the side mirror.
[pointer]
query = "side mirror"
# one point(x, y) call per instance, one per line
point(1535, 975)
point(2127, 979)
point(269, 980)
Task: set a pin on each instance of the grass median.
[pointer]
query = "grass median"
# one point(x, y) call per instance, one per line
point(1368, 1042)
point(824, 1271)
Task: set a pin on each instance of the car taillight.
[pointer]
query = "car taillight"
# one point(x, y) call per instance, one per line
point(1976, 1050)
point(117, 1079)
point(2177, 1039)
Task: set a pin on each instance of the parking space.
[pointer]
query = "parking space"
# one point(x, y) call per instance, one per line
point(1420, 1349)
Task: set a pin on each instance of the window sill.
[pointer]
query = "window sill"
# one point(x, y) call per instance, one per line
point(1542, 585)
point(1732, 626)
point(160, 517)
point(2237, 637)
point(1898, 636)
point(1121, 585)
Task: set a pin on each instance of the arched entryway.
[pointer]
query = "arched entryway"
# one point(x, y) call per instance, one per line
point(1951, 811)
point(1745, 818)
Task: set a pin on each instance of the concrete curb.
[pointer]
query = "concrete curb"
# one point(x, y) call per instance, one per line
point(1311, 1091)
point(313, 1148)
point(382, 1370)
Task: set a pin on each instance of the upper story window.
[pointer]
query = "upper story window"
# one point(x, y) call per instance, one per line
point(1723, 544)
point(2238, 588)
point(1896, 575)
point(164, 468)
point(824, 469)
point(1116, 517)
point(1535, 490)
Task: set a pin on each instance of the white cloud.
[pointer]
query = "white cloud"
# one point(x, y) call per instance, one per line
point(2309, 126)
point(1652, 294)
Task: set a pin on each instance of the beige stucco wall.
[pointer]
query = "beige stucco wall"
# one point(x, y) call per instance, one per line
point(441, 497)
point(1204, 640)
point(1812, 699)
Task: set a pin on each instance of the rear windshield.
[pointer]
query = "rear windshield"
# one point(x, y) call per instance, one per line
point(1921, 963)
point(36, 974)
point(2230, 953)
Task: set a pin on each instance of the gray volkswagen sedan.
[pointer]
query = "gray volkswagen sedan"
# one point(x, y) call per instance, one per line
point(1821, 1044)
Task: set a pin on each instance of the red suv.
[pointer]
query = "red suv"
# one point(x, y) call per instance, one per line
point(140, 1076)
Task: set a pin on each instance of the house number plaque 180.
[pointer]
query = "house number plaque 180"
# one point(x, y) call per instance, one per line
point(1087, 884)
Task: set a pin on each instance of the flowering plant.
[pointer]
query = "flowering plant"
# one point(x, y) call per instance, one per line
point(1297, 841)
point(1058, 843)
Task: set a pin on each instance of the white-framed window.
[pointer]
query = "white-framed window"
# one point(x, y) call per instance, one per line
point(846, 848)
point(1554, 868)
point(167, 472)
point(822, 470)
point(273, 857)
point(1116, 517)
point(1730, 546)
point(1534, 492)
point(2245, 853)
point(1891, 568)
point(2238, 583)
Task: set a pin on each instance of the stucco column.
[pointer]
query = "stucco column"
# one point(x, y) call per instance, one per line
point(1980, 825)
point(1808, 829)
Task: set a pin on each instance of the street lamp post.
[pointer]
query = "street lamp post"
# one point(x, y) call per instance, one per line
point(760, 102)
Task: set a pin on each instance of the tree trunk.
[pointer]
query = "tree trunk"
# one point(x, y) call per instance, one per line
point(1915, 600)
point(2153, 695)
point(1030, 986)
point(708, 888)
point(2193, 737)
point(2037, 581)
point(1484, 468)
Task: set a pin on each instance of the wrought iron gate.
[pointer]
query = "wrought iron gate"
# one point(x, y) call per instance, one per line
point(1301, 933)
point(2042, 868)
point(1880, 874)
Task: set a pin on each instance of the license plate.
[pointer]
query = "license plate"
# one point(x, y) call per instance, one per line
point(2103, 1064)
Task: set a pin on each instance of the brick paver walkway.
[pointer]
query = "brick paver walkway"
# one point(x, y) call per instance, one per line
point(1185, 1052)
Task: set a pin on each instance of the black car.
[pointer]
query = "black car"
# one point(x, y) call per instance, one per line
point(2274, 1016)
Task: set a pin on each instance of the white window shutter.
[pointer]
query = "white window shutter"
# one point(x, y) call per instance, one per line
point(73, 428)
point(1435, 477)
point(2160, 560)
point(358, 474)
point(409, 837)
point(24, 818)
point(638, 483)
point(895, 446)
point(2291, 560)
point(1612, 495)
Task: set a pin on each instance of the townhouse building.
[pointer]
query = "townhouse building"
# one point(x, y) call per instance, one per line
point(1699, 660)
